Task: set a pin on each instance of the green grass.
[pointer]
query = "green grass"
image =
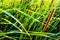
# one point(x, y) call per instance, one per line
point(25, 19)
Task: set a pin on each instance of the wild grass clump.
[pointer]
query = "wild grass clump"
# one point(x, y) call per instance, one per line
point(29, 19)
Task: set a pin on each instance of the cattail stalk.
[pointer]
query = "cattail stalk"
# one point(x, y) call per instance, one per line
point(49, 20)
point(50, 17)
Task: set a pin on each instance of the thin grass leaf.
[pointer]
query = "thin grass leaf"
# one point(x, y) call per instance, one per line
point(12, 24)
point(26, 14)
point(17, 21)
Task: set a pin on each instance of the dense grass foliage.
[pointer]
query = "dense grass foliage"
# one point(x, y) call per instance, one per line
point(29, 19)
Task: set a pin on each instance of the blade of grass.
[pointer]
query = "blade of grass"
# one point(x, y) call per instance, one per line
point(17, 21)
point(12, 24)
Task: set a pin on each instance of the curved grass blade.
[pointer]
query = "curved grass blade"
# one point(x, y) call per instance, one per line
point(44, 34)
point(26, 14)
point(12, 24)
point(17, 21)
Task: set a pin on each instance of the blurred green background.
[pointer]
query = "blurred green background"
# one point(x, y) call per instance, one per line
point(25, 19)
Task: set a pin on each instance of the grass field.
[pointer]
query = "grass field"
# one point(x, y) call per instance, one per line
point(29, 19)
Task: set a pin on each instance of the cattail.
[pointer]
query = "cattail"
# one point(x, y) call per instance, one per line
point(50, 17)
point(49, 20)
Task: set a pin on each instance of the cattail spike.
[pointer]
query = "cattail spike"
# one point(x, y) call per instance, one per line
point(49, 20)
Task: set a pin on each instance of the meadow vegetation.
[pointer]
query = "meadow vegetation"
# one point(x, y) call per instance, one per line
point(29, 19)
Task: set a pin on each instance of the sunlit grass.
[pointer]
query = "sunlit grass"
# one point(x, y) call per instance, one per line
point(25, 19)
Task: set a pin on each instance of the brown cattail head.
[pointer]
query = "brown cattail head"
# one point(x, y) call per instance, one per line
point(49, 20)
